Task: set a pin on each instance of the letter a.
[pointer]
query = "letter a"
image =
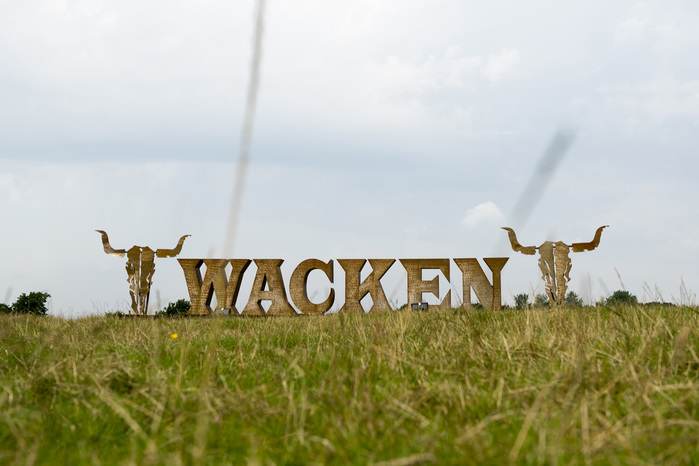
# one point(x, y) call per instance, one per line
point(269, 275)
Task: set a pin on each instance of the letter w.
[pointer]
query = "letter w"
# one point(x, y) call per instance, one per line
point(201, 291)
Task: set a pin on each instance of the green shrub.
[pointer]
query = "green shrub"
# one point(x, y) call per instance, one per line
point(32, 303)
point(522, 301)
point(659, 304)
point(178, 308)
point(541, 300)
point(622, 298)
point(572, 299)
point(5, 309)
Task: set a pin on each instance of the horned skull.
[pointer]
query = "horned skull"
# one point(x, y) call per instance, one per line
point(140, 267)
point(554, 261)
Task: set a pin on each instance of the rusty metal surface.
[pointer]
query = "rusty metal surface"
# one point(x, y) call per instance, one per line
point(268, 286)
point(140, 267)
point(489, 295)
point(554, 261)
point(417, 286)
point(529, 250)
point(355, 289)
point(202, 290)
point(299, 291)
point(580, 247)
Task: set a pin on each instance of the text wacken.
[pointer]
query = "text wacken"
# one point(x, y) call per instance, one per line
point(269, 287)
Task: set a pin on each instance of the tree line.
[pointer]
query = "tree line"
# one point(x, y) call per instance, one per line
point(32, 303)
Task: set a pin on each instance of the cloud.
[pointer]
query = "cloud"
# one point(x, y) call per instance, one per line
point(486, 212)
point(501, 64)
point(636, 27)
point(661, 98)
point(665, 29)
point(451, 71)
point(8, 188)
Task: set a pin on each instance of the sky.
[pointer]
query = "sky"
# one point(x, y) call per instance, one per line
point(383, 129)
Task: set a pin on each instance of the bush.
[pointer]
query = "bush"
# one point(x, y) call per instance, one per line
point(621, 298)
point(659, 304)
point(541, 300)
point(32, 303)
point(572, 299)
point(5, 309)
point(178, 308)
point(522, 301)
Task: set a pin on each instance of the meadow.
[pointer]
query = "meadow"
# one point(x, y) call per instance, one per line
point(585, 385)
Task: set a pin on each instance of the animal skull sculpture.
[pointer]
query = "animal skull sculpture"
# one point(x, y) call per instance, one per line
point(554, 261)
point(140, 266)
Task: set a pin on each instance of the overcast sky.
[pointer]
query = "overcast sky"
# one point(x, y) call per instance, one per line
point(384, 129)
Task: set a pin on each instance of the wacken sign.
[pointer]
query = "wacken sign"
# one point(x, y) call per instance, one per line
point(268, 285)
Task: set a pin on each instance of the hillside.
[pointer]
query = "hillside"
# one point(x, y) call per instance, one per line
point(538, 386)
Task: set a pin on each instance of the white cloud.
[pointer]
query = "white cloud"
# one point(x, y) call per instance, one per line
point(501, 64)
point(658, 99)
point(486, 212)
point(451, 71)
point(435, 73)
point(8, 188)
point(665, 28)
point(635, 27)
point(374, 120)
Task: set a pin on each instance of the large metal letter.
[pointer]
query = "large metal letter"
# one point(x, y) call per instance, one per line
point(202, 290)
point(234, 281)
point(299, 282)
point(489, 295)
point(417, 286)
point(214, 283)
point(355, 289)
point(269, 275)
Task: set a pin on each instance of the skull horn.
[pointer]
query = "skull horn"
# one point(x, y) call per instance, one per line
point(580, 247)
point(528, 250)
point(171, 252)
point(108, 248)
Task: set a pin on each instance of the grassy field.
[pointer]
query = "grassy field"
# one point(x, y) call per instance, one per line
point(571, 386)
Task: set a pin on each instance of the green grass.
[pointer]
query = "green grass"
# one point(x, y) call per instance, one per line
point(587, 385)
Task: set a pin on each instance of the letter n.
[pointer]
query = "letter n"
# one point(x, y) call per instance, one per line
point(490, 296)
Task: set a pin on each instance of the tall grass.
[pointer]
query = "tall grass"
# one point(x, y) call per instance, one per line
point(539, 386)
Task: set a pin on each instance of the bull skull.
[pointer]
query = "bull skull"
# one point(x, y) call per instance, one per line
point(140, 266)
point(554, 261)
